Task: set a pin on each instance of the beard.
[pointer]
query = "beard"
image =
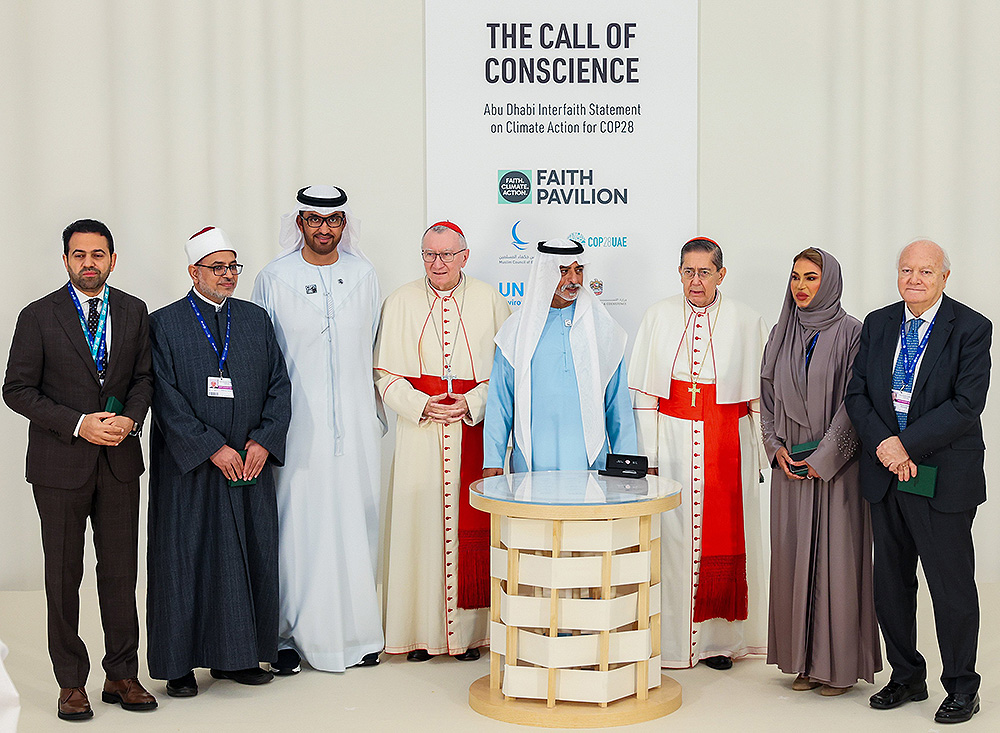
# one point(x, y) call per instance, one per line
point(90, 281)
point(569, 292)
point(213, 293)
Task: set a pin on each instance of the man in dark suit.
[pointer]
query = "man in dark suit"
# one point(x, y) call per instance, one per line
point(84, 459)
point(916, 396)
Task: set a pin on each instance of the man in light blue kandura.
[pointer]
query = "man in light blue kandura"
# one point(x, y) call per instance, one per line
point(558, 375)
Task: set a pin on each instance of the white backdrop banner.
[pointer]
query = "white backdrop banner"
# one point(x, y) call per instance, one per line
point(566, 118)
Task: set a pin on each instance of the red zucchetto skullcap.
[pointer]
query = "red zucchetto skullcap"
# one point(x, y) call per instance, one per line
point(450, 225)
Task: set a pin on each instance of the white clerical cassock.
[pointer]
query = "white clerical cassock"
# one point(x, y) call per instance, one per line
point(437, 580)
point(695, 380)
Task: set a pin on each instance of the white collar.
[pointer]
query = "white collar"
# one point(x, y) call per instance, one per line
point(928, 315)
point(444, 293)
point(83, 297)
point(217, 306)
point(706, 308)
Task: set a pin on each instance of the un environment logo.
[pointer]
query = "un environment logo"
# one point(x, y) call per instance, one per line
point(514, 187)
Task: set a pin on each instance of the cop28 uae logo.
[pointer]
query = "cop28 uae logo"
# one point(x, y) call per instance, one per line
point(514, 187)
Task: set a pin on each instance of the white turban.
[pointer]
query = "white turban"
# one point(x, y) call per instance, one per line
point(205, 242)
point(597, 341)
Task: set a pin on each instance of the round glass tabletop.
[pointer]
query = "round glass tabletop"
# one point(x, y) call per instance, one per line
point(564, 488)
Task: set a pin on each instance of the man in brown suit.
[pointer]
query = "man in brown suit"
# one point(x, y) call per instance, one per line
point(86, 396)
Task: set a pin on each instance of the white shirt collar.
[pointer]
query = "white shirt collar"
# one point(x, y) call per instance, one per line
point(928, 315)
point(83, 297)
point(217, 306)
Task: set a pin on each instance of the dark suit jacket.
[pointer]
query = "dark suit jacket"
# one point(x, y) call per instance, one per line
point(943, 426)
point(51, 379)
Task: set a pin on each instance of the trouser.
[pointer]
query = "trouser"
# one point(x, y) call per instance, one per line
point(113, 509)
point(906, 527)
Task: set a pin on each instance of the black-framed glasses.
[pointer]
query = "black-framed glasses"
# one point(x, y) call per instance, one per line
point(220, 270)
point(446, 257)
point(315, 221)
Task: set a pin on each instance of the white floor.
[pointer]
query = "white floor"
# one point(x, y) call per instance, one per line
point(433, 696)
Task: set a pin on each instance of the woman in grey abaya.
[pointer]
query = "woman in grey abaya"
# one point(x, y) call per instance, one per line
point(821, 621)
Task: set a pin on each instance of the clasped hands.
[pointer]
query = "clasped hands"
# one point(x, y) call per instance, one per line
point(235, 468)
point(785, 460)
point(894, 457)
point(436, 411)
point(105, 428)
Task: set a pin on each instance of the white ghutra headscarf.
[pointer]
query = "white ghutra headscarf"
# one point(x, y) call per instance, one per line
point(324, 200)
point(597, 341)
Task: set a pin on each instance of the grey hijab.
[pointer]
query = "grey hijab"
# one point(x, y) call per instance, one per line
point(797, 397)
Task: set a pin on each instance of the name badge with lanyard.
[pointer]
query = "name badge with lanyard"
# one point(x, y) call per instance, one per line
point(901, 397)
point(219, 386)
point(97, 343)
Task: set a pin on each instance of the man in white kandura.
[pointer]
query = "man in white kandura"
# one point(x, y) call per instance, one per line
point(559, 374)
point(695, 379)
point(432, 361)
point(323, 297)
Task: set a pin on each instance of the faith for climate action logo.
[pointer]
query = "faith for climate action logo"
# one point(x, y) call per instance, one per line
point(514, 187)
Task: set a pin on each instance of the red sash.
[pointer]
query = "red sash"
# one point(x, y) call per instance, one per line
point(473, 525)
point(722, 582)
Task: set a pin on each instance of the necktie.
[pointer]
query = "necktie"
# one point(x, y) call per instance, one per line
point(900, 379)
point(93, 315)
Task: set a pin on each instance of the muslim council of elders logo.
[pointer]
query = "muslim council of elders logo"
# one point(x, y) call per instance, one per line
point(597, 286)
point(514, 187)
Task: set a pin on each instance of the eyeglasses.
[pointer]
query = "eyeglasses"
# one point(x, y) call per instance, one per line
point(446, 257)
point(688, 273)
point(315, 221)
point(220, 270)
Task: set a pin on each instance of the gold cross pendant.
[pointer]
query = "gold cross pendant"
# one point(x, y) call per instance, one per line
point(694, 390)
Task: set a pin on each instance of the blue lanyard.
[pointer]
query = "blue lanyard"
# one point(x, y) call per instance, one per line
point(812, 345)
point(98, 344)
point(909, 367)
point(211, 340)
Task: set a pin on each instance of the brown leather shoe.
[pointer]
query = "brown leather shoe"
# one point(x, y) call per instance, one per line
point(130, 694)
point(73, 704)
point(802, 683)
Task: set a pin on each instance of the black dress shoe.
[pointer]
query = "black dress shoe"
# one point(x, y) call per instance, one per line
point(289, 662)
point(185, 686)
point(419, 655)
point(719, 662)
point(369, 660)
point(957, 708)
point(251, 676)
point(469, 655)
point(895, 694)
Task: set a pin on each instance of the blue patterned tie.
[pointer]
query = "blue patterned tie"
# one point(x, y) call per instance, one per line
point(93, 321)
point(900, 380)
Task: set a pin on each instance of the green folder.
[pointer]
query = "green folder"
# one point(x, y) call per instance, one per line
point(114, 405)
point(922, 484)
point(799, 453)
point(241, 482)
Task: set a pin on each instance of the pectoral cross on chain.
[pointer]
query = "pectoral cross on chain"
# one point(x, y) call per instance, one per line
point(448, 377)
point(694, 390)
